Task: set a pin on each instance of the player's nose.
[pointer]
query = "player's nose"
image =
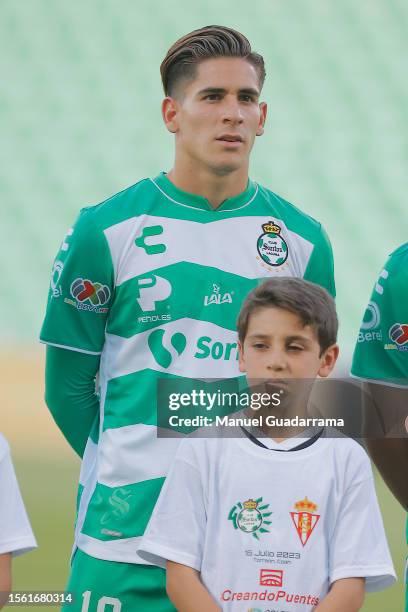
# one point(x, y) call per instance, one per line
point(232, 110)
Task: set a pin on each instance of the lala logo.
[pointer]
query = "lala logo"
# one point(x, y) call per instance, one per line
point(217, 297)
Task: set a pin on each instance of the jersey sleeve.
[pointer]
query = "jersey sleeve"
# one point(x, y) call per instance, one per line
point(81, 289)
point(176, 531)
point(381, 351)
point(16, 536)
point(320, 269)
point(359, 547)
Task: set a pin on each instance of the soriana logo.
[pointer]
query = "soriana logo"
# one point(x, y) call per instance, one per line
point(271, 577)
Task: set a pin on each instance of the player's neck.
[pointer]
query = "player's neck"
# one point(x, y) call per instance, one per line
point(201, 181)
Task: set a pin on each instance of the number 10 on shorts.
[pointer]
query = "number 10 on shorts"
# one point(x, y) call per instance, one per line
point(105, 604)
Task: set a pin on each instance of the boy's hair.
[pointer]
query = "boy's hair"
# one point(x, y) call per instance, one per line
point(206, 43)
point(311, 303)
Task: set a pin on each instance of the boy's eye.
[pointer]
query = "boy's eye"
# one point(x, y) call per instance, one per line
point(259, 345)
point(295, 348)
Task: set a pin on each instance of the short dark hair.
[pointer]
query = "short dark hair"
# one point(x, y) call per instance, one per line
point(311, 303)
point(206, 43)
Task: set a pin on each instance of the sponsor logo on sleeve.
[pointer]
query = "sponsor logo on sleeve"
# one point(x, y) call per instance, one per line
point(55, 277)
point(398, 334)
point(89, 295)
point(272, 248)
point(305, 519)
point(371, 321)
point(251, 517)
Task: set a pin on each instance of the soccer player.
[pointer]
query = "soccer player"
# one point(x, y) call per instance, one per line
point(381, 359)
point(148, 285)
point(16, 537)
point(291, 523)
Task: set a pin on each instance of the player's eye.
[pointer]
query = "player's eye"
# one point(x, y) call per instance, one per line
point(212, 97)
point(259, 345)
point(246, 98)
point(295, 348)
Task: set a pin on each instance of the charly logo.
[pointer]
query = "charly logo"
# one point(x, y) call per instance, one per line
point(305, 519)
point(55, 277)
point(119, 502)
point(89, 295)
point(65, 242)
point(217, 297)
point(150, 232)
point(250, 517)
point(161, 354)
point(271, 246)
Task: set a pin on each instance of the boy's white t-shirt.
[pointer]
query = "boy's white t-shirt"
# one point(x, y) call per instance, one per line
point(268, 528)
point(16, 535)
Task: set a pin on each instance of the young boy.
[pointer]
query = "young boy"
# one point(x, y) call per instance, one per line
point(240, 524)
point(16, 536)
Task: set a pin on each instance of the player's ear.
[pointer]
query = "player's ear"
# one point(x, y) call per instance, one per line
point(241, 358)
point(263, 108)
point(169, 114)
point(328, 360)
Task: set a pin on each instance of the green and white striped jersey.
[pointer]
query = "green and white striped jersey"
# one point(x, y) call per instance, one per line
point(381, 351)
point(152, 280)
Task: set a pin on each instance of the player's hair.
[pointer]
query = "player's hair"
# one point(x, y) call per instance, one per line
point(206, 43)
point(311, 303)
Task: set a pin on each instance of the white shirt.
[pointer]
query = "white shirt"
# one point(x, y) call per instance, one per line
point(271, 527)
point(16, 535)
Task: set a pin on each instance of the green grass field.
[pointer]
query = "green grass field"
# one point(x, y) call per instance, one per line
point(49, 489)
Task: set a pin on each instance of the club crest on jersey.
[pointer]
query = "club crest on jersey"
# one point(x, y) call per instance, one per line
point(305, 519)
point(89, 295)
point(398, 334)
point(217, 297)
point(272, 248)
point(250, 517)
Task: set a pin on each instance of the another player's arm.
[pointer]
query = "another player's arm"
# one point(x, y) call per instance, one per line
point(186, 591)
point(70, 393)
point(74, 327)
point(320, 269)
point(345, 595)
point(5, 578)
point(385, 409)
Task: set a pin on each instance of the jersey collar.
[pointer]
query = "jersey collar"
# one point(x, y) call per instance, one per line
point(192, 200)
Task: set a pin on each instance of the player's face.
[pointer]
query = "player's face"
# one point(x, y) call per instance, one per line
point(217, 115)
point(278, 347)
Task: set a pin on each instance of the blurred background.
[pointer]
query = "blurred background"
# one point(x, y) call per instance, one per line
point(80, 115)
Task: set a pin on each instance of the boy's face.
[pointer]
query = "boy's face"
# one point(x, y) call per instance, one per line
point(217, 115)
point(278, 346)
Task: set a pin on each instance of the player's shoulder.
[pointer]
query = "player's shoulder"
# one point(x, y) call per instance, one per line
point(295, 218)
point(203, 446)
point(351, 457)
point(127, 203)
point(397, 261)
point(4, 447)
